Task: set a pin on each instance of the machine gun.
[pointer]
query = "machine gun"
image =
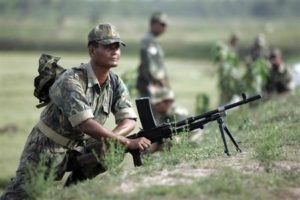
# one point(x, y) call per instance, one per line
point(166, 130)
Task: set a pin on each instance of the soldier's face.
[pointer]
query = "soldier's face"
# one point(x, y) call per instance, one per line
point(276, 62)
point(234, 41)
point(164, 106)
point(106, 55)
point(158, 28)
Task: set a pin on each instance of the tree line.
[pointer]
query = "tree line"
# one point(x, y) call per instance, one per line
point(93, 10)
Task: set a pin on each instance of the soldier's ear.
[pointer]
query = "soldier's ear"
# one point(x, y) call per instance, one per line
point(91, 51)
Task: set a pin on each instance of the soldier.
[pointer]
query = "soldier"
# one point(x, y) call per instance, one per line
point(164, 111)
point(227, 58)
point(280, 78)
point(233, 43)
point(163, 107)
point(257, 66)
point(259, 49)
point(81, 100)
point(152, 72)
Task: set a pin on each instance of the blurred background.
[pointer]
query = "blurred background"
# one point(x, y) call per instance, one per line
point(60, 27)
point(194, 24)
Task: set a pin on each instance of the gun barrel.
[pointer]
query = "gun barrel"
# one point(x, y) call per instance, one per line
point(244, 101)
point(212, 112)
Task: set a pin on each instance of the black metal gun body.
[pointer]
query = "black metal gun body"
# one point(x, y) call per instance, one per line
point(157, 133)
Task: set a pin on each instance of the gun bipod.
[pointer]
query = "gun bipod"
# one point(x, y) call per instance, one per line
point(223, 128)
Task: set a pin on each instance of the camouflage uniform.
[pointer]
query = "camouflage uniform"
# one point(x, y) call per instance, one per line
point(257, 65)
point(75, 97)
point(259, 49)
point(152, 70)
point(279, 81)
point(228, 72)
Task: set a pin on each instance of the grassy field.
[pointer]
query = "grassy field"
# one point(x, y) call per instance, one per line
point(184, 38)
point(17, 103)
point(268, 167)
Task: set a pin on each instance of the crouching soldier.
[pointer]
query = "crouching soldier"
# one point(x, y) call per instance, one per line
point(81, 101)
point(280, 81)
point(165, 110)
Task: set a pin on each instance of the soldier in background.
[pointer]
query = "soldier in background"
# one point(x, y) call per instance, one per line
point(257, 66)
point(164, 107)
point(229, 74)
point(259, 49)
point(165, 111)
point(233, 43)
point(152, 72)
point(280, 78)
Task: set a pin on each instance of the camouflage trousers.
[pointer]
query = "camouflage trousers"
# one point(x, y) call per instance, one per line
point(56, 156)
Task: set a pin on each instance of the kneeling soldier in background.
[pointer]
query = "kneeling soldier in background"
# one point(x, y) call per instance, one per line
point(280, 78)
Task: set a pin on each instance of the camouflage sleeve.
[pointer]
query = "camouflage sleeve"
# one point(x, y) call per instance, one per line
point(145, 62)
point(68, 94)
point(123, 108)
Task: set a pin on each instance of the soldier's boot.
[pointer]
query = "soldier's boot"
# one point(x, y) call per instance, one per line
point(75, 177)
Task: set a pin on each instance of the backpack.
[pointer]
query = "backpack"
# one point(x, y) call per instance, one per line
point(49, 71)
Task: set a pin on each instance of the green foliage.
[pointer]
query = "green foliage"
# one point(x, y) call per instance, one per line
point(252, 128)
point(256, 76)
point(39, 179)
point(268, 147)
point(180, 149)
point(233, 78)
point(202, 103)
point(113, 156)
point(270, 130)
point(229, 71)
point(226, 184)
point(129, 77)
point(235, 185)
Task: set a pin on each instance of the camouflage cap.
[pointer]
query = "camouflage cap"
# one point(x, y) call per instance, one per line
point(105, 34)
point(162, 94)
point(275, 53)
point(160, 17)
point(260, 40)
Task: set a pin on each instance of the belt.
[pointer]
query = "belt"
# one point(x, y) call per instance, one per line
point(55, 137)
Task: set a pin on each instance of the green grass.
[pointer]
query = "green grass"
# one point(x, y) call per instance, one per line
point(17, 103)
point(268, 134)
point(268, 168)
point(184, 38)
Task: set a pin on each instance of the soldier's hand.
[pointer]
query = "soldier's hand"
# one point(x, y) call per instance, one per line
point(164, 83)
point(152, 88)
point(141, 143)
